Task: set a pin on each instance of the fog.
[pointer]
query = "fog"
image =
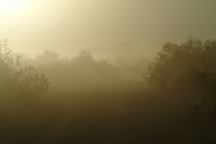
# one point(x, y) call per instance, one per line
point(107, 72)
point(70, 26)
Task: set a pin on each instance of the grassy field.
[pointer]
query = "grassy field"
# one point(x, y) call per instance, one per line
point(103, 117)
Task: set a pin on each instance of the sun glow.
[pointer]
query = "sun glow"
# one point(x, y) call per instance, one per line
point(22, 13)
point(2, 2)
point(13, 12)
point(9, 4)
point(10, 9)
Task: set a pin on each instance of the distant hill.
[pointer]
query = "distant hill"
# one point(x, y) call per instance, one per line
point(128, 52)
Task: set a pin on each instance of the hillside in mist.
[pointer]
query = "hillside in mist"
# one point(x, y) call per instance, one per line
point(87, 72)
point(52, 99)
point(107, 72)
point(128, 52)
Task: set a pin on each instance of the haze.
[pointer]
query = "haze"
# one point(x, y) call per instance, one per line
point(107, 72)
point(70, 26)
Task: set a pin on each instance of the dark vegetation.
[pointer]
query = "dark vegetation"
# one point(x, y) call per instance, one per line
point(50, 100)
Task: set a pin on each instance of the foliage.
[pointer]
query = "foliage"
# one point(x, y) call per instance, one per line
point(29, 81)
point(5, 51)
point(17, 77)
point(48, 57)
point(5, 69)
point(188, 68)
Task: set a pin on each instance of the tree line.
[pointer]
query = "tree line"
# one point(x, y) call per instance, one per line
point(187, 70)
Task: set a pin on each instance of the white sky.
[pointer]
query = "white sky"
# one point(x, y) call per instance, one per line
point(66, 26)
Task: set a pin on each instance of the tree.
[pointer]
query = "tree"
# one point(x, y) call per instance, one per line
point(186, 68)
point(29, 81)
point(5, 51)
point(5, 68)
point(48, 57)
point(17, 76)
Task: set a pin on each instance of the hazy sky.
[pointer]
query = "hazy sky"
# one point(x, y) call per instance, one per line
point(68, 25)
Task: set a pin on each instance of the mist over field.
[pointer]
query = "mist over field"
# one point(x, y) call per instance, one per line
point(107, 72)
